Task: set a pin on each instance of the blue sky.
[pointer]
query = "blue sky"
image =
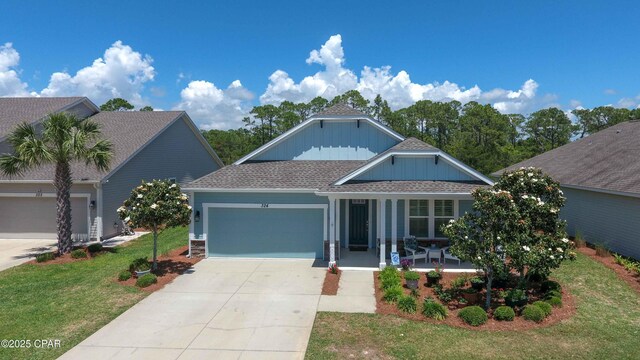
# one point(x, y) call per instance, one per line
point(216, 60)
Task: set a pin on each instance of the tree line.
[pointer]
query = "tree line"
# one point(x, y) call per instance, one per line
point(476, 134)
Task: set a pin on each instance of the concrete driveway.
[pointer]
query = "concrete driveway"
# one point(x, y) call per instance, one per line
point(16, 251)
point(223, 309)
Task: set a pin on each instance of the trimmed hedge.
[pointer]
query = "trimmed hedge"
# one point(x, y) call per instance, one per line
point(473, 315)
point(533, 313)
point(554, 301)
point(146, 280)
point(94, 248)
point(79, 254)
point(545, 307)
point(504, 313)
point(45, 257)
point(124, 275)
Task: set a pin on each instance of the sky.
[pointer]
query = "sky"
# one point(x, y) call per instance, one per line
point(217, 60)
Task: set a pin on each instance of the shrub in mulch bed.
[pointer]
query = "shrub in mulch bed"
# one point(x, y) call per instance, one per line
point(630, 277)
point(331, 281)
point(427, 298)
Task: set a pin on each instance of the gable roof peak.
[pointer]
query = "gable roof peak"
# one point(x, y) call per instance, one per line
point(413, 144)
point(340, 109)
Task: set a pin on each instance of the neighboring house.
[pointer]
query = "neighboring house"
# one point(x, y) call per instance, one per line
point(600, 177)
point(327, 183)
point(146, 145)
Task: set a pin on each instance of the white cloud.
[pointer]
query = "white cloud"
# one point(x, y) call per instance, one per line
point(627, 102)
point(214, 108)
point(121, 72)
point(10, 83)
point(399, 90)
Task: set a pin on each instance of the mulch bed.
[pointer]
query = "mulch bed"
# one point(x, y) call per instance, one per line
point(66, 258)
point(331, 281)
point(633, 279)
point(169, 267)
point(559, 314)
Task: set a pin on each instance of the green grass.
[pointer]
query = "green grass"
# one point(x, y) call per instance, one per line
point(71, 301)
point(606, 326)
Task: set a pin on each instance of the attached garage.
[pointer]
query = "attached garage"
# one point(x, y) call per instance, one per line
point(31, 217)
point(265, 230)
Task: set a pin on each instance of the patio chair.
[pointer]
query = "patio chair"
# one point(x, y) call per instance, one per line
point(447, 255)
point(411, 250)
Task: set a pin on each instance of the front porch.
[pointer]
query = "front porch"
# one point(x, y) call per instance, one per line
point(356, 225)
point(369, 260)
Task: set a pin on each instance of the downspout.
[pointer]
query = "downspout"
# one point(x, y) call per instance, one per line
point(99, 229)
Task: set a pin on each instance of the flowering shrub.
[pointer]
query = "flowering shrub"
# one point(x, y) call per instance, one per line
point(156, 205)
point(406, 264)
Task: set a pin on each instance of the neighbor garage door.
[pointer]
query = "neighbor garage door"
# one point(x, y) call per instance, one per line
point(35, 217)
point(266, 232)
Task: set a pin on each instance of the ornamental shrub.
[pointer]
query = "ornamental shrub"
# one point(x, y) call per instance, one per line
point(545, 307)
point(504, 313)
point(146, 280)
point(124, 275)
point(411, 275)
point(433, 309)
point(554, 301)
point(94, 248)
point(390, 278)
point(473, 315)
point(553, 293)
point(45, 257)
point(139, 264)
point(79, 254)
point(408, 304)
point(533, 313)
point(549, 285)
point(392, 294)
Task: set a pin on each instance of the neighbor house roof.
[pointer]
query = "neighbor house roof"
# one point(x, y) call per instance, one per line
point(128, 131)
point(14, 111)
point(339, 109)
point(607, 160)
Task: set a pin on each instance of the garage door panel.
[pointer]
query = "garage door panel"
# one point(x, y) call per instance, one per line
point(35, 217)
point(259, 232)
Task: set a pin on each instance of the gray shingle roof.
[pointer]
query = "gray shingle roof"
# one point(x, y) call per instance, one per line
point(406, 186)
point(14, 111)
point(413, 144)
point(340, 109)
point(290, 174)
point(127, 130)
point(606, 160)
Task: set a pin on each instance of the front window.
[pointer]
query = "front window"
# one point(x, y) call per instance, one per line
point(443, 212)
point(419, 218)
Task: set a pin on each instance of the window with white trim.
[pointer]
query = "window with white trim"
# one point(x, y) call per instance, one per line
point(419, 218)
point(443, 212)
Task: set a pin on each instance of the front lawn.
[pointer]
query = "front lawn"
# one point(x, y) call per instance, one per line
point(71, 301)
point(606, 326)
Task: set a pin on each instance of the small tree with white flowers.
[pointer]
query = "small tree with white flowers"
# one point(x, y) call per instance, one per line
point(156, 205)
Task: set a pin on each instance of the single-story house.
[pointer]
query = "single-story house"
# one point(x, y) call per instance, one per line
point(338, 179)
point(600, 177)
point(146, 145)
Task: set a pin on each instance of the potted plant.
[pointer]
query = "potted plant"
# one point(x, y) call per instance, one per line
point(406, 264)
point(434, 276)
point(140, 266)
point(516, 297)
point(471, 295)
point(462, 302)
point(477, 283)
point(411, 278)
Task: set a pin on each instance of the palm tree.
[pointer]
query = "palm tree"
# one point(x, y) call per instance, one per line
point(62, 140)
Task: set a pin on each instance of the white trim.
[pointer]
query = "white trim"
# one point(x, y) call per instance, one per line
point(332, 231)
point(308, 122)
point(338, 201)
point(251, 190)
point(399, 195)
point(347, 222)
point(206, 206)
point(53, 195)
point(425, 153)
point(394, 225)
point(406, 217)
point(383, 233)
point(99, 211)
point(192, 224)
point(605, 191)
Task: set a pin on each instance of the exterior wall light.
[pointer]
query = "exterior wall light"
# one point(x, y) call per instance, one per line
point(196, 217)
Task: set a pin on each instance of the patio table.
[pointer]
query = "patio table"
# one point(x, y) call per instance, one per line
point(432, 252)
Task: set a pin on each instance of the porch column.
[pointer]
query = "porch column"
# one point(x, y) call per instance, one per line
point(383, 233)
point(338, 201)
point(332, 231)
point(394, 225)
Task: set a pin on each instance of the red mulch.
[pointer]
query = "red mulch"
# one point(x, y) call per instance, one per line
point(331, 281)
point(169, 267)
point(631, 278)
point(66, 258)
point(559, 314)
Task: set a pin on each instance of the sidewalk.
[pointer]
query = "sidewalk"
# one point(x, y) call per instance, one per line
point(355, 294)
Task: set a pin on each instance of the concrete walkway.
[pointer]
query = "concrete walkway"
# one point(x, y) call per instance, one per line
point(355, 294)
point(17, 251)
point(223, 309)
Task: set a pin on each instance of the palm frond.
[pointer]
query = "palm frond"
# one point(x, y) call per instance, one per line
point(12, 165)
point(99, 155)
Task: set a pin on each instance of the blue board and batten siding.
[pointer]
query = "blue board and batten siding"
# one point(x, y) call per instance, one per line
point(414, 168)
point(610, 220)
point(175, 153)
point(342, 140)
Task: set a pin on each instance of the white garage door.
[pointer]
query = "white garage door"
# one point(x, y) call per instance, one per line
point(35, 217)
